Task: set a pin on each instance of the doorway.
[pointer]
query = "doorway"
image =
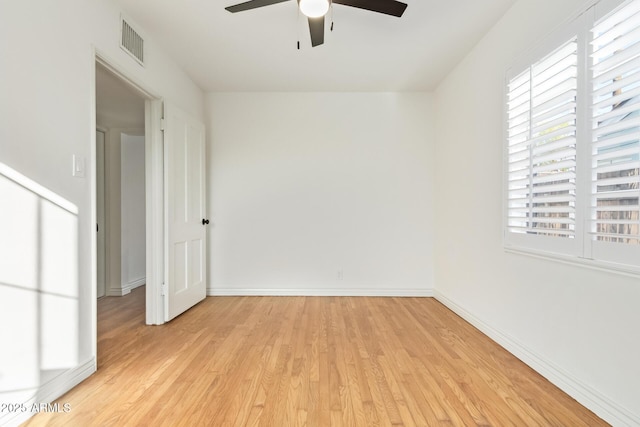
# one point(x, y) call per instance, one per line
point(149, 126)
point(120, 185)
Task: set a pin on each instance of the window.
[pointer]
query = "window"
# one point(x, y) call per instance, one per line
point(573, 145)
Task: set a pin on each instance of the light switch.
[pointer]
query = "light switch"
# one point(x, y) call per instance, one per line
point(78, 166)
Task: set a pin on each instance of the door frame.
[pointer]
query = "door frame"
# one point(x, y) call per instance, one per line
point(154, 190)
point(101, 224)
point(154, 207)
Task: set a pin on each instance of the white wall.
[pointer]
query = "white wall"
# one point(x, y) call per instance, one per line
point(113, 204)
point(125, 210)
point(577, 326)
point(321, 193)
point(133, 218)
point(46, 83)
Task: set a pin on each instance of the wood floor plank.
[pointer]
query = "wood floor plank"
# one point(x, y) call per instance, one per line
point(307, 361)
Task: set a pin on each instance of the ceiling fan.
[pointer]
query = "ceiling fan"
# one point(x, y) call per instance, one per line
point(315, 11)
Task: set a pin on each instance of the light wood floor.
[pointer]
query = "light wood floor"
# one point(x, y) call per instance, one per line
point(316, 361)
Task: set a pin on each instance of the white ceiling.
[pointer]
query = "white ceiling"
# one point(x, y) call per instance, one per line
point(256, 50)
point(117, 104)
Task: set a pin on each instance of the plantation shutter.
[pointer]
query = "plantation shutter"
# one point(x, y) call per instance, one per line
point(541, 113)
point(615, 144)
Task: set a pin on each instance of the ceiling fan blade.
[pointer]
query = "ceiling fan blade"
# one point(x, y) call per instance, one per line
point(316, 28)
point(388, 7)
point(252, 4)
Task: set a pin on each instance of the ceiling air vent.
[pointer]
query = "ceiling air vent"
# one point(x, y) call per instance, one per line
point(131, 41)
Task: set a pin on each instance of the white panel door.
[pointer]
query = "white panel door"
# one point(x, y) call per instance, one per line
point(185, 210)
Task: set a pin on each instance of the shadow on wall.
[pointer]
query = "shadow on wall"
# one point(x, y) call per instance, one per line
point(38, 288)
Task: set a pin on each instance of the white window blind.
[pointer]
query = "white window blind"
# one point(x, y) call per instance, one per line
point(615, 142)
point(541, 110)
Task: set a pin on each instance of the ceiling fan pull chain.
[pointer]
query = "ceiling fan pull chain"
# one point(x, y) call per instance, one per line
point(298, 26)
point(331, 16)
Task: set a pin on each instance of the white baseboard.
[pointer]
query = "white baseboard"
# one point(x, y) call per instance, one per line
point(126, 288)
point(114, 292)
point(50, 391)
point(600, 404)
point(321, 292)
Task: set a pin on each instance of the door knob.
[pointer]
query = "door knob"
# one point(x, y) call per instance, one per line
point(205, 221)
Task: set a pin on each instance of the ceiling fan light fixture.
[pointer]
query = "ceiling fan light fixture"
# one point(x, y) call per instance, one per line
point(314, 8)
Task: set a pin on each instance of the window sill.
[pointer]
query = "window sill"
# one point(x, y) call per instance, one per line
point(607, 267)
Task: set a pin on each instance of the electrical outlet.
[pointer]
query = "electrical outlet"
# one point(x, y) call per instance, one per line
point(340, 274)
